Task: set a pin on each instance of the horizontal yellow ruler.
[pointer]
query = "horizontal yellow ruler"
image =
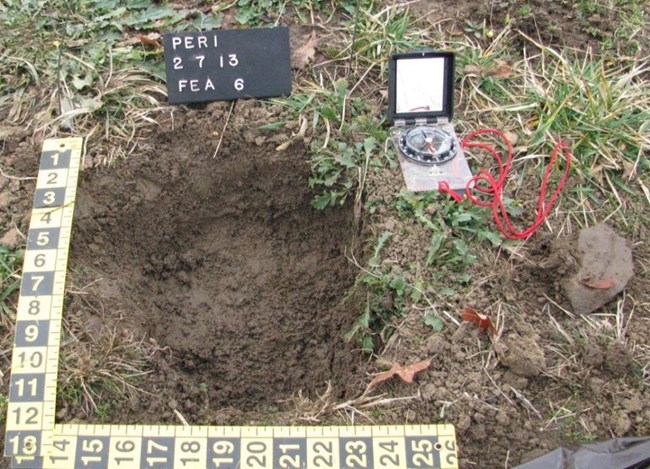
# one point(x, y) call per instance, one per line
point(33, 439)
point(139, 446)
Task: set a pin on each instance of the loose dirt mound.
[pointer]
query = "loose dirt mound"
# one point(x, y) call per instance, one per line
point(224, 262)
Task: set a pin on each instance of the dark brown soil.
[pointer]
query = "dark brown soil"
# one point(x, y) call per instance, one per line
point(224, 263)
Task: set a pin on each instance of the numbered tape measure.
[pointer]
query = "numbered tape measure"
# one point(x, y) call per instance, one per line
point(151, 447)
point(33, 440)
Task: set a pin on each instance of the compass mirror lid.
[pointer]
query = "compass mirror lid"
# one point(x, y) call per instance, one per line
point(421, 87)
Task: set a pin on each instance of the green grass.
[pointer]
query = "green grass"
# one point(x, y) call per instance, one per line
point(102, 368)
point(78, 66)
point(271, 12)
point(10, 265)
point(3, 408)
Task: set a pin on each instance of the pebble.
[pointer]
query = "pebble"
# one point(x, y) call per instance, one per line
point(464, 423)
point(5, 199)
point(11, 238)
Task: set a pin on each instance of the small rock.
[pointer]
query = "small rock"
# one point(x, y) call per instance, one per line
point(478, 432)
point(633, 404)
point(533, 454)
point(593, 355)
point(618, 359)
point(61, 413)
point(428, 391)
point(5, 199)
point(11, 238)
point(502, 419)
point(518, 382)
point(8, 131)
point(595, 385)
point(522, 355)
point(87, 163)
point(604, 256)
point(390, 224)
point(134, 403)
point(464, 423)
point(183, 277)
point(436, 344)
point(621, 424)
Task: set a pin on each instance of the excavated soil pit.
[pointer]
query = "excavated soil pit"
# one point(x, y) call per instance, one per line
point(224, 262)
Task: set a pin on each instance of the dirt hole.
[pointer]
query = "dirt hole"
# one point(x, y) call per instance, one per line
point(224, 261)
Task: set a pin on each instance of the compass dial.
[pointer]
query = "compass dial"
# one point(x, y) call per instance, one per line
point(427, 145)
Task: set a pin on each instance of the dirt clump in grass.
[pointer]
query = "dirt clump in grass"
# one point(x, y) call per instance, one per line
point(223, 262)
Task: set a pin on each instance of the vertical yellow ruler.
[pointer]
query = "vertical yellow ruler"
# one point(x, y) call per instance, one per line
point(32, 389)
point(34, 441)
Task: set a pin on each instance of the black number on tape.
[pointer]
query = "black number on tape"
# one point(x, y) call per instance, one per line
point(323, 454)
point(123, 448)
point(32, 359)
point(25, 416)
point(47, 217)
point(257, 458)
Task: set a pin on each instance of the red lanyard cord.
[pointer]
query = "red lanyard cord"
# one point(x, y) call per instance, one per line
point(491, 188)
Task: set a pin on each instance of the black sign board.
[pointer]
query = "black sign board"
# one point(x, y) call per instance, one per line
point(226, 65)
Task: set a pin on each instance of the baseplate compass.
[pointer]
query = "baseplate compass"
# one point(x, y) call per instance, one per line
point(427, 145)
point(420, 100)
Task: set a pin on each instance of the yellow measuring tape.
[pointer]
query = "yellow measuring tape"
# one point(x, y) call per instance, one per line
point(33, 440)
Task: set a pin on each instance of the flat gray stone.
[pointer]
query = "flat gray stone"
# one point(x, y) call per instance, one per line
point(604, 258)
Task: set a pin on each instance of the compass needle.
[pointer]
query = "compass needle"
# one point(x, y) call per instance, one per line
point(427, 145)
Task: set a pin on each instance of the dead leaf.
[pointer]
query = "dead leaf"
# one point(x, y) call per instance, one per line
point(150, 40)
point(602, 284)
point(629, 170)
point(305, 53)
point(455, 30)
point(283, 146)
point(473, 69)
point(513, 137)
point(482, 321)
point(502, 71)
point(406, 373)
point(532, 123)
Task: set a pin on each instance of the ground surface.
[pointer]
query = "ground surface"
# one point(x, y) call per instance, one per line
point(242, 293)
